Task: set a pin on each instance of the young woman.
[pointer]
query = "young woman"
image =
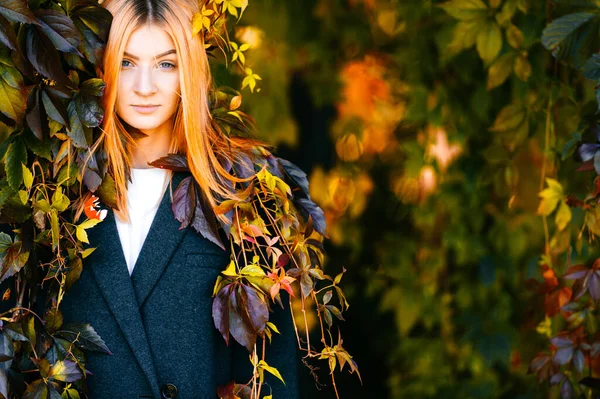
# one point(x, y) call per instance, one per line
point(147, 288)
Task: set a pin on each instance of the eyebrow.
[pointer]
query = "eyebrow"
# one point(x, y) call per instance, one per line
point(172, 51)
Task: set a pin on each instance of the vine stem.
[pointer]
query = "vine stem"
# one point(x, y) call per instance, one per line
point(544, 163)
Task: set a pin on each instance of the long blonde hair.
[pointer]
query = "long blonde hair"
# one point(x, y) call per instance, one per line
point(193, 133)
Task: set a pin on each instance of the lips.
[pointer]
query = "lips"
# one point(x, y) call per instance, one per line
point(145, 109)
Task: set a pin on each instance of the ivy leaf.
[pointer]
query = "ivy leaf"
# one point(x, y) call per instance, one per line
point(65, 371)
point(465, 9)
point(591, 68)
point(309, 208)
point(296, 174)
point(84, 336)
point(262, 365)
point(7, 34)
point(91, 46)
point(489, 41)
point(15, 156)
point(558, 30)
point(43, 56)
point(59, 29)
point(174, 162)
point(55, 108)
point(500, 70)
point(79, 133)
point(96, 19)
point(563, 216)
point(12, 93)
point(36, 390)
point(550, 197)
point(183, 208)
point(17, 11)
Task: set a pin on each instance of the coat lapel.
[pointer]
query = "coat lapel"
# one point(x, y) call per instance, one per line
point(110, 271)
point(163, 239)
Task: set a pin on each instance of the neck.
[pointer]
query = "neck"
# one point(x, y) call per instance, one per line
point(150, 148)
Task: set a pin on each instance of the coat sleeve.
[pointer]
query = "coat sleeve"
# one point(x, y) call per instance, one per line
point(281, 353)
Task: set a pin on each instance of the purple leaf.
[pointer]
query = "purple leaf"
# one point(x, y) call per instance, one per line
point(579, 288)
point(561, 342)
point(296, 174)
point(175, 162)
point(220, 312)
point(563, 356)
point(566, 390)
point(587, 151)
point(244, 167)
point(576, 272)
point(248, 315)
point(204, 221)
point(556, 378)
point(594, 285)
point(183, 206)
point(579, 360)
point(308, 207)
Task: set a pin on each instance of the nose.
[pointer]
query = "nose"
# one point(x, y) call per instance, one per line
point(144, 84)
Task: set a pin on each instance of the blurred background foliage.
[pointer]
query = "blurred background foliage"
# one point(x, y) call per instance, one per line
point(428, 129)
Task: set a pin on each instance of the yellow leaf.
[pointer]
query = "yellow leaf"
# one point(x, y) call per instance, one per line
point(563, 216)
point(236, 114)
point(509, 118)
point(23, 196)
point(197, 23)
point(550, 197)
point(272, 327)
point(54, 228)
point(87, 252)
point(514, 37)
point(235, 103)
point(60, 201)
point(253, 271)
point(230, 271)
point(523, 68)
point(464, 36)
point(495, 3)
point(89, 223)
point(489, 41)
point(81, 235)
point(263, 365)
point(27, 177)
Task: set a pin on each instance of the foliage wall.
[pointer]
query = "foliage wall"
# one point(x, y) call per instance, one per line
point(452, 145)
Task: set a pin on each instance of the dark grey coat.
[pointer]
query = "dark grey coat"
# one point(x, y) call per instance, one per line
point(158, 322)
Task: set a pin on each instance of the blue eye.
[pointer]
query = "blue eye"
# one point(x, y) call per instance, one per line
point(125, 63)
point(167, 65)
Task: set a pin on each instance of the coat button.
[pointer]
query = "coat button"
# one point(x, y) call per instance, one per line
point(169, 391)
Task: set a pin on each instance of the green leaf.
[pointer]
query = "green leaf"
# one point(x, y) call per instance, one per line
point(16, 155)
point(54, 228)
point(465, 9)
point(78, 132)
point(489, 41)
point(12, 100)
point(500, 70)
point(55, 108)
point(509, 118)
point(60, 201)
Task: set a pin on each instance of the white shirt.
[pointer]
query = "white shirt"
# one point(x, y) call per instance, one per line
point(144, 194)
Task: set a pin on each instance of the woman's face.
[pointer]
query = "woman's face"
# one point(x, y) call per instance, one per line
point(148, 89)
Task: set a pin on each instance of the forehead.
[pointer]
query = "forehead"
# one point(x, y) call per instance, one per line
point(148, 41)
